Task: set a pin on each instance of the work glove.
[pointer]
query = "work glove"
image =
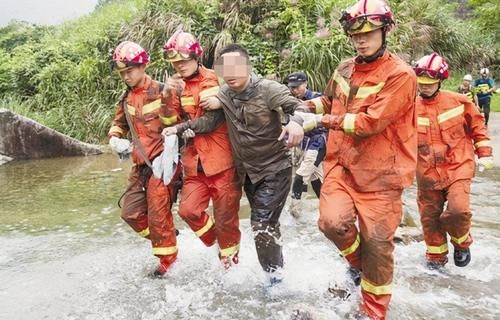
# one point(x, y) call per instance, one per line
point(332, 122)
point(485, 163)
point(122, 147)
point(310, 120)
point(188, 133)
point(164, 165)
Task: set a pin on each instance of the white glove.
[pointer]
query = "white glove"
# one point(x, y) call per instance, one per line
point(188, 133)
point(164, 165)
point(310, 120)
point(120, 146)
point(485, 163)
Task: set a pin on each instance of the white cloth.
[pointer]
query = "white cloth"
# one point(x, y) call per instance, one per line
point(120, 146)
point(164, 166)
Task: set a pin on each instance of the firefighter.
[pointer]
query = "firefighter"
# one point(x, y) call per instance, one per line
point(209, 172)
point(468, 89)
point(485, 87)
point(371, 152)
point(147, 201)
point(451, 131)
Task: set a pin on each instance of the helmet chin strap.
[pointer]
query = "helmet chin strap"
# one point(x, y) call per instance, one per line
point(425, 96)
point(195, 73)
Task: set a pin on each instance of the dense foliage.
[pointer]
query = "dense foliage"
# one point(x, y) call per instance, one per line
point(61, 76)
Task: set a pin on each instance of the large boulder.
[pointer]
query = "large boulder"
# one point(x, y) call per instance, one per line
point(23, 138)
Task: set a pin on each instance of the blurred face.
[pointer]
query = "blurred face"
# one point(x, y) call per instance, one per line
point(234, 69)
point(427, 90)
point(466, 83)
point(134, 76)
point(367, 43)
point(186, 68)
point(299, 91)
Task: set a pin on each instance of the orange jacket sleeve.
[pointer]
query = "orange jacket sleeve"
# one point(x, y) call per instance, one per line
point(170, 112)
point(119, 127)
point(477, 130)
point(395, 99)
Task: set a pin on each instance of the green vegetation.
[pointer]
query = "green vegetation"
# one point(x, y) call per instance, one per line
point(60, 75)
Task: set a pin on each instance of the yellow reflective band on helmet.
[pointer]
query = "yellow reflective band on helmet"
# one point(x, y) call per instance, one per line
point(364, 92)
point(426, 80)
point(343, 84)
point(209, 92)
point(131, 110)
point(168, 121)
point(144, 233)
point(150, 107)
point(187, 101)
point(377, 290)
point(207, 227)
point(352, 248)
point(423, 121)
point(318, 105)
point(461, 239)
point(229, 251)
point(484, 143)
point(457, 111)
point(116, 129)
point(164, 251)
point(349, 123)
point(438, 249)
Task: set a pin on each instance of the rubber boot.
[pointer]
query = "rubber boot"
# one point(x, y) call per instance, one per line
point(229, 261)
point(165, 263)
point(316, 184)
point(461, 257)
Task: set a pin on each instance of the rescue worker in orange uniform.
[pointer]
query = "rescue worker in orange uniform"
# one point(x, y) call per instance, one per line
point(209, 171)
point(147, 201)
point(371, 152)
point(450, 131)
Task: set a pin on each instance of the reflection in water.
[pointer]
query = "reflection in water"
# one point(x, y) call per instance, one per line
point(67, 255)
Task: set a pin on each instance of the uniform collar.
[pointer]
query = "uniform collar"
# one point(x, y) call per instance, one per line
point(145, 86)
point(371, 65)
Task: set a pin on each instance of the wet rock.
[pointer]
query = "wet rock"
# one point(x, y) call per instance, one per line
point(4, 159)
point(407, 235)
point(22, 138)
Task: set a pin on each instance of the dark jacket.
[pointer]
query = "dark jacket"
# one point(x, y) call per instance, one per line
point(254, 119)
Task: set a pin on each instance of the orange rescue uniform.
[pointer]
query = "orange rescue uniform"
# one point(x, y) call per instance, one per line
point(147, 202)
point(450, 131)
point(209, 171)
point(371, 156)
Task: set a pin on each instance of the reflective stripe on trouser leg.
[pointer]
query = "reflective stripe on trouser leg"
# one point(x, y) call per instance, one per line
point(160, 218)
point(134, 206)
point(225, 192)
point(195, 197)
point(338, 216)
point(430, 206)
point(379, 216)
point(456, 219)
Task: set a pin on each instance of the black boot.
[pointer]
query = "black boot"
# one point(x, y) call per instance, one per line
point(316, 184)
point(461, 257)
point(355, 275)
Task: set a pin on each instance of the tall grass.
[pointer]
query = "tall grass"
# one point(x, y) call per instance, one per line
point(61, 76)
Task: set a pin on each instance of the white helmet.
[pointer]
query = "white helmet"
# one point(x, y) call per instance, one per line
point(484, 71)
point(468, 77)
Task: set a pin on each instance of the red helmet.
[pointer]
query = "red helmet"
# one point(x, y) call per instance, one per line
point(431, 69)
point(366, 16)
point(182, 46)
point(127, 55)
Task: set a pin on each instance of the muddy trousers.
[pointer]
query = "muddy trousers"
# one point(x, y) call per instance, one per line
point(225, 192)
point(455, 220)
point(485, 108)
point(267, 198)
point(147, 208)
point(369, 249)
